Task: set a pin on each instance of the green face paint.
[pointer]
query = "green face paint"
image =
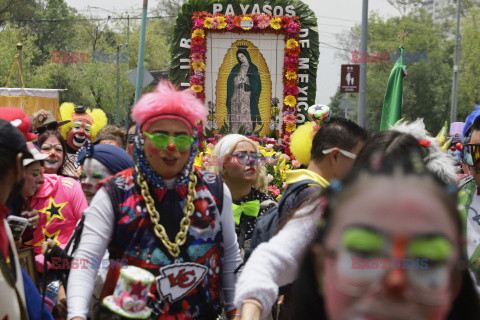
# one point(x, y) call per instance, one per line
point(97, 175)
point(432, 248)
point(362, 239)
point(83, 175)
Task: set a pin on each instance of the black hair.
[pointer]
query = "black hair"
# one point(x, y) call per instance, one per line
point(391, 143)
point(337, 132)
point(55, 133)
point(308, 301)
point(8, 160)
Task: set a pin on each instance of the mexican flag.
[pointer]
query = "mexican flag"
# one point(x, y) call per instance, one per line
point(392, 103)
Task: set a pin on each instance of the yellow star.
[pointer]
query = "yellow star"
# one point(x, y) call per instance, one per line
point(47, 235)
point(53, 210)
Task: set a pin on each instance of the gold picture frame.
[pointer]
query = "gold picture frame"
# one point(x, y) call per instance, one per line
point(26, 257)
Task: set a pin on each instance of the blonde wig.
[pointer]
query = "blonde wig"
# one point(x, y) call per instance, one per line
point(225, 147)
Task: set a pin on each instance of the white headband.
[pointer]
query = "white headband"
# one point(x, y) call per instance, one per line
point(227, 142)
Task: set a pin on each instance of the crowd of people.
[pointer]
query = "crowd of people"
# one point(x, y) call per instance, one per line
point(123, 225)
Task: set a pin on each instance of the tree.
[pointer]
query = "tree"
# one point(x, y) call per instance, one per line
point(426, 91)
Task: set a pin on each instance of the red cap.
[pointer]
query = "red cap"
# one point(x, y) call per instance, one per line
point(19, 119)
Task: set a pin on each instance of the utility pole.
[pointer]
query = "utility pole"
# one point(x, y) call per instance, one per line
point(362, 96)
point(456, 66)
point(118, 84)
point(141, 52)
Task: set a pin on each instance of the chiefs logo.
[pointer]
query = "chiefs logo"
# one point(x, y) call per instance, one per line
point(177, 280)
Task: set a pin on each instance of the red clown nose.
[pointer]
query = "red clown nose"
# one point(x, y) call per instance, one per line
point(171, 146)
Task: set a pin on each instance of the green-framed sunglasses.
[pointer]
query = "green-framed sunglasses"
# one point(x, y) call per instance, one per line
point(161, 141)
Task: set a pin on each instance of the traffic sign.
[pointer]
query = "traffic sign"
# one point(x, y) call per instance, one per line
point(350, 78)
point(147, 77)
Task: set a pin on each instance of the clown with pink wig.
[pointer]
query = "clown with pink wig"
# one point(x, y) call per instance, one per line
point(165, 216)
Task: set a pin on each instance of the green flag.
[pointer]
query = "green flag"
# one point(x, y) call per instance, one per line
point(392, 103)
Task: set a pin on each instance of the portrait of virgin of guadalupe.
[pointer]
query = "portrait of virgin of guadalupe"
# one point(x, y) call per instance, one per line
point(243, 92)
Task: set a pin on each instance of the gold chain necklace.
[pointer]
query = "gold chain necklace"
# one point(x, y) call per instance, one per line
point(172, 247)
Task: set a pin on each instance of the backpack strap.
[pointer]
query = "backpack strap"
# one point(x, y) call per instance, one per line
point(294, 189)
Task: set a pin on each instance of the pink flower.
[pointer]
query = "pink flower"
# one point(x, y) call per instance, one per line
point(274, 191)
point(291, 60)
point(287, 157)
point(230, 23)
point(200, 49)
point(215, 22)
point(196, 81)
point(290, 91)
point(290, 119)
point(269, 147)
point(263, 21)
point(196, 56)
point(269, 178)
point(198, 24)
point(296, 163)
point(285, 185)
point(292, 27)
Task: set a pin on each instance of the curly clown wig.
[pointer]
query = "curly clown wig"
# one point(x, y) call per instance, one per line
point(166, 102)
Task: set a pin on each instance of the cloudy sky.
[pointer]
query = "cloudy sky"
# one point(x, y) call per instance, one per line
point(333, 17)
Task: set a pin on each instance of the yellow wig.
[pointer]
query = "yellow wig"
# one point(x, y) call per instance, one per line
point(301, 142)
point(99, 119)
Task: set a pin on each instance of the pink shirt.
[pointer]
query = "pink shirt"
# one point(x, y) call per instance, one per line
point(60, 203)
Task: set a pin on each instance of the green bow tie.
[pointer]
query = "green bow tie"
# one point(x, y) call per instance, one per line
point(250, 208)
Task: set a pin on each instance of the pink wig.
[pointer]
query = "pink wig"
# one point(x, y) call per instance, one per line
point(168, 102)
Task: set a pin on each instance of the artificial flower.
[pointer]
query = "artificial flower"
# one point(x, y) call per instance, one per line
point(197, 24)
point(274, 191)
point(230, 23)
point(293, 52)
point(292, 43)
point(196, 81)
point(296, 163)
point(275, 23)
point(263, 21)
point(291, 60)
point(222, 24)
point(290, 66)
point(198, 33)
point(197, 88)
point(291, 75)
point(246, 19)
point(292, 27)
point(215, 22)
point(236, 21)
point(290, 91)
point(289, 119)
point(207, 23)
point(290, 127)
point(198, 65)
point(196, 56)
point(197, 41)
point(197, 49)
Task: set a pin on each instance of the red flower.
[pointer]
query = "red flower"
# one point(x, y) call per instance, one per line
point(197, 41)
point(200, 49)
point(196, 80)
point(290, 91)
point(291, 66)
point(287, 151)
point(285, 21)
point(293, 52)
point(290, 83)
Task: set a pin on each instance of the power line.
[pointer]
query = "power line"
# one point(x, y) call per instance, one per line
point(83, 19)
point(324, 17)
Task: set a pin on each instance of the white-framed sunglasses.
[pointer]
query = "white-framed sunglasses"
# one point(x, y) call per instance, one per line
point(345, 153)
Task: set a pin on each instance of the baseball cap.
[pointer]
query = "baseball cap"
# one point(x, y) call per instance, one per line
point(12, 139)
point(20, 120)
point(37, 155)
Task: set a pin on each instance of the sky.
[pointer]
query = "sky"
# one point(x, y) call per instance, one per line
point(333, 17)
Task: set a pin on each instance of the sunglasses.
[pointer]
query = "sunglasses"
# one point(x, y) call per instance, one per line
point(471, 154)
point(161, 141)
point(244, 158)
point(345, 153)
point(50, 126)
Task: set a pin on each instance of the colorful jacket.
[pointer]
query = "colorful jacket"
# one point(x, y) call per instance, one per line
point(60, 203)
point(196, 296)
point(469, 210)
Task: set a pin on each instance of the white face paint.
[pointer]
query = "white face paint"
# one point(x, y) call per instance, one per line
point(92, 173)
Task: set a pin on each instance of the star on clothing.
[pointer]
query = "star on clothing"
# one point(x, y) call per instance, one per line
point(137, 288)
point(47, 235)
point(53, 210)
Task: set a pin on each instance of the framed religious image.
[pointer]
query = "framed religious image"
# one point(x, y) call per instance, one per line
point(26, 257)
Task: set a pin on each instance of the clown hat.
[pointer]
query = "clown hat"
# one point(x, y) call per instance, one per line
point(130, 296)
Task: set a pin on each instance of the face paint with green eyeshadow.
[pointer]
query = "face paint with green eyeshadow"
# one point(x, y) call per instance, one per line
point(362, 239)
point(436, 248)
point(97, 175)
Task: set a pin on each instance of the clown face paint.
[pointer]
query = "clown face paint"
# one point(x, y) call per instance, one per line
point(33, 179)
point(54, 149)
point(167, 162)
point(92, 173)
point(368, 269)
point(80, 133)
